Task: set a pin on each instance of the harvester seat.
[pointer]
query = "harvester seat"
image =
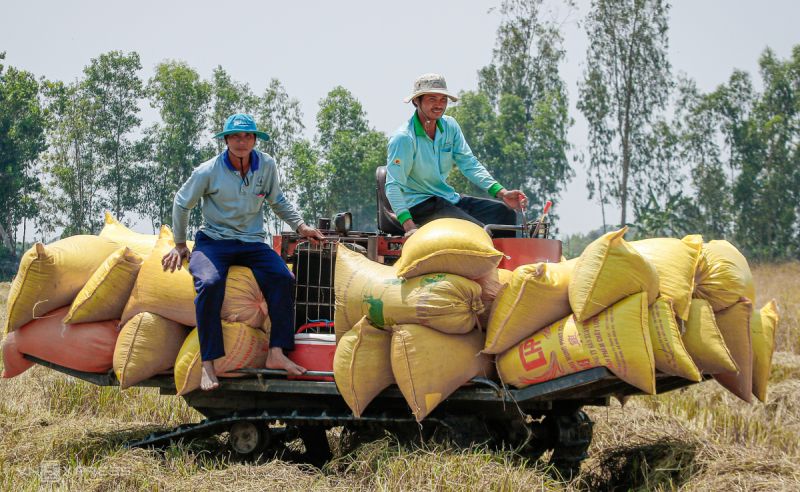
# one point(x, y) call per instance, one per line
point(387, 220)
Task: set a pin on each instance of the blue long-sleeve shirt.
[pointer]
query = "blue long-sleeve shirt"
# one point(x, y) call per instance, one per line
point(417, 167)
point(233, 206)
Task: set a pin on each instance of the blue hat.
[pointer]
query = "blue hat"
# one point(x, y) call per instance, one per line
point(241, 123)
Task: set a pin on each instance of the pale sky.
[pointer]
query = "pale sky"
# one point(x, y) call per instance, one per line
point(374, 49)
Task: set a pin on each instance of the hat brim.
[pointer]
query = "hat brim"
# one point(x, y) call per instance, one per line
point(262, 135)
point(451, 96)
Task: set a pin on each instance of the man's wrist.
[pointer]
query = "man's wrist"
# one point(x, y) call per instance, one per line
point(496, 190)
point(403, 216)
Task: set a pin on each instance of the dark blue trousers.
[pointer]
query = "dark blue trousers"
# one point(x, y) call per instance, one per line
point(209, 266)
point(481, 211)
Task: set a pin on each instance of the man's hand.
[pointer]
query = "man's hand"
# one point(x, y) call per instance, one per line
point(410, 227)
point(514, 199)
point(174, 259)
point(312, 234)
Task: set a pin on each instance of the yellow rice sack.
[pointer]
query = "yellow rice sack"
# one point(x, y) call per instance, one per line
point(445, 302)
point(670, 354)
point(675, 260)
point(490, 288)
point(147, 345)
point(168, 294)
point(608, 270)
point(536, 297)
point(171, 294)
point(429, 365)
point(49, 277)
point(452, 246)
point(362, 365)
point(504, 276)
point(762, 333)
point(734, 324)
point(704, 342)
point(244, 347)
point(618, 339)
point(244, 302)
point(141, 244)
point(723, 276)
point(107, 290)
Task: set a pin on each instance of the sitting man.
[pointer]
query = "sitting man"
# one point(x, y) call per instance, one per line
point(420, 157)
point(232, 188)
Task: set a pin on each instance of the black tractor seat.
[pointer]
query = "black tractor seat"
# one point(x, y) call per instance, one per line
point(387, 220)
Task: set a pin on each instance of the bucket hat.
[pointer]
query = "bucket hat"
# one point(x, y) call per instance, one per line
point(241, 123)
point(430, 83)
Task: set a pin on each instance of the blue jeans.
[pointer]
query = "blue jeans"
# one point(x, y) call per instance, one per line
point(209, 266)
point(481, 211)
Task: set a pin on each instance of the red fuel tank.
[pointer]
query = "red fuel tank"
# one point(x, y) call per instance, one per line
point(523, 251)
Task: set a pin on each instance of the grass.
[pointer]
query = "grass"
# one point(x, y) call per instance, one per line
point(698, 438)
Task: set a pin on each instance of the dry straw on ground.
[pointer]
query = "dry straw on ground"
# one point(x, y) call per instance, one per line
point(59, 433)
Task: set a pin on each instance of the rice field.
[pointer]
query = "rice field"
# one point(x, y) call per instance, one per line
point(57, 433)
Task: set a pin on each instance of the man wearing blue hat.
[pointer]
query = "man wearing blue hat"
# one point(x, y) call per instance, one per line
point(232, 188)
point(421, 154)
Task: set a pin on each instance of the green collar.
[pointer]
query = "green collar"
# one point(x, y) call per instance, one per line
point(418, 126)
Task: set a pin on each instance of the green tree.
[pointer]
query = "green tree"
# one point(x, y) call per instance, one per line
point(182, 99)
point(113, 90)
point(517, 122)
point(626, 85)
point(280, 116)
point(698, 123)
point(309, 176)
point(75, 180)
point(767, 189)
point(22, 127)
point(351, 152)
point(227, 97)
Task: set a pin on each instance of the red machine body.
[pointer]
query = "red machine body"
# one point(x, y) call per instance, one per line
point(523, 251)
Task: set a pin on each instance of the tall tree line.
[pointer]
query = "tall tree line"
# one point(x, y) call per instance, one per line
point(672, 158)
point(723, 163)
point(71, 149)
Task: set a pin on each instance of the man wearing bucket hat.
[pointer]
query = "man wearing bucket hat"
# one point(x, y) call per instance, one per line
point(232, 188)
point(421, 154)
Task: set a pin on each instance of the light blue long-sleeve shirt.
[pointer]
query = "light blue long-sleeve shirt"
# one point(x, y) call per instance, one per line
point(232, 206)
point(417, 167)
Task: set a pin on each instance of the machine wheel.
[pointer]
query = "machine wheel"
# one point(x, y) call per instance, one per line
point(574, 435)
point(315, 440)
point(247, 439)
point(460, 431)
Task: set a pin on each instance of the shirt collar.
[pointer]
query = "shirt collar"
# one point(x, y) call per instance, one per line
point(419, 130)
point(253, 160)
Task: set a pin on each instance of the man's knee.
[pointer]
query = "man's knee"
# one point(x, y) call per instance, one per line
point(280, 278)
point(209, 282)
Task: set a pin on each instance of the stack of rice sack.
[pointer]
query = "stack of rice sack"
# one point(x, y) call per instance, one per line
point(416, 323)
point(679, 306)
point(561, 318)
point(722, 317)
point(66, 300)
point(93, 303)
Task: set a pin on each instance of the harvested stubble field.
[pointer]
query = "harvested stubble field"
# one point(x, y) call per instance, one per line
point(63, 434)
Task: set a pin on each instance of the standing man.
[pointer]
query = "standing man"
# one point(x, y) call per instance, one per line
point(421, 155)
point(232, 188)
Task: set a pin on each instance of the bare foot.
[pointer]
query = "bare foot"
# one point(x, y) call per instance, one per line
point(276, 359)
point(208, 377)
